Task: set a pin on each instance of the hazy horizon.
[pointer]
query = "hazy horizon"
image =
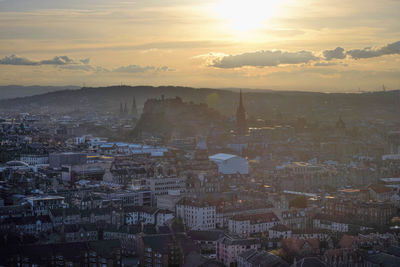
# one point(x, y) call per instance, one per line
point(17, 91)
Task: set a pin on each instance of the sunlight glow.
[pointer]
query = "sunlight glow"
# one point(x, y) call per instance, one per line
point(247, 15)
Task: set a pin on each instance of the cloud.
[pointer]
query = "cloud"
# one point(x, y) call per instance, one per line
point(325, 64)
point(101, 69)
point(268, 58)
point(57, 60)
point(163, 68)
point(328, 64)
point(85, 60)
point(16, 60)
point(83, 67)
point(67, 63)
point(338, 53)
point(140, 69)
point(368, 52)
point(264, 59)
point(62, 60)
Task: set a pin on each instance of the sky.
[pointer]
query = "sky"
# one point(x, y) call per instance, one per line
point(308, 45)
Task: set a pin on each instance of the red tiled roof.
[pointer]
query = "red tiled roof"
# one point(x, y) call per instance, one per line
point(347, 241)
point(296, 245)
point(378, 188)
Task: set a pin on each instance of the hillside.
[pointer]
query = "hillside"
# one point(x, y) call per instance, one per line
point(267, 105)
point(13, 91)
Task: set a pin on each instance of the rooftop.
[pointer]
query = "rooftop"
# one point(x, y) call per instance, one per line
point(257, 218)
point(222, 156)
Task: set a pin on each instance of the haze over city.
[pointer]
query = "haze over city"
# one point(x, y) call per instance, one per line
point(214, 133)
point(329, 46)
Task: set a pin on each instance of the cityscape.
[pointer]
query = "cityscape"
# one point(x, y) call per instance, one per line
point(205, 190)
point(178, 133)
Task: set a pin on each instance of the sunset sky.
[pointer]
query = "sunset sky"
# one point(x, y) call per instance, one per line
point(319, 45)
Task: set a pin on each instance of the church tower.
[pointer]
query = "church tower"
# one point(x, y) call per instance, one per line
point(340, 125)
point(241, 124)
point(125, 109)
point(134, 108)
point(121, 109)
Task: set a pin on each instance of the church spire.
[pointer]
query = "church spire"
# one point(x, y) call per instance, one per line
point(125, 109)
point(241, 100)
point(121, 110)
point(134, 108)
point(241, 123)
point(340, 124)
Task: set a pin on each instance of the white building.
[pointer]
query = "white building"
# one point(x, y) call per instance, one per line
point(329, 225)
point(225, 213)
point(164, 216)
point(34, 159)
point(196, 214)
point(137, 214)
point(134, 197)
point(131, 149)
point(230, 164)
point(229, 248)
point(280, 231)
point(320, 222)
point(244, 225)
point(380, 192)
point(146, 215)
point(40, 205)
point(161, 186)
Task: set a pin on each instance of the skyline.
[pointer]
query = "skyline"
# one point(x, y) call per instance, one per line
point(308, 45)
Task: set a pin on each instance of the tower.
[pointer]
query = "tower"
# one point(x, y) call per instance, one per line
point(134, 108)
point(125, 109)
point(241, 124)
point(340, 125)
point(121, 110)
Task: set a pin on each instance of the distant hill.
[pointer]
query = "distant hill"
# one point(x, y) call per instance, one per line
point(263, 104)
point(13, 91)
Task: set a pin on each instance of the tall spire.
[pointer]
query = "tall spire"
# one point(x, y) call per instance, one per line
point(125, 109)
point(134, 108)
point(241, 123)
point(241, 99)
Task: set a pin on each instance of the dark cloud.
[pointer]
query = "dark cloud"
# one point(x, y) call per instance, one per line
point(134, 69)
point(16, 60)
point(275, 58)
point(325, 64)
point(328, 64)
point(65, 62)
point(338, 53)
point(163, 68)
point(57, 60)
point(84, 67)
point(264, 59)
point(368, 52)
point(62, 60)
point(139, 69)
point(85, 60)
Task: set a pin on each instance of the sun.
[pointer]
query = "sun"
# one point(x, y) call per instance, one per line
point(246, 15)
